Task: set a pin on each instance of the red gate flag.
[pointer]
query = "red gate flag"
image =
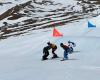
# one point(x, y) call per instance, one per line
point(56, 33)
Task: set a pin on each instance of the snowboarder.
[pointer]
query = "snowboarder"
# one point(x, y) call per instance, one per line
point(53, 47)
point(46, 52)
point(71, 45)
point(66, 50)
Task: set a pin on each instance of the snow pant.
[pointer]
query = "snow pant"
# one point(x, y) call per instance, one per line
point(70, 49)
point(46, 54)
point(53, 52)
point(65, 55)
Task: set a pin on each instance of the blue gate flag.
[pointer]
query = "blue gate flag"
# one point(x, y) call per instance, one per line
point(90, 25)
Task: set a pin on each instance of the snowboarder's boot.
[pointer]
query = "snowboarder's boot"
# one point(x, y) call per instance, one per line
point(44, 57)
point(55, 56)
point(64, 59)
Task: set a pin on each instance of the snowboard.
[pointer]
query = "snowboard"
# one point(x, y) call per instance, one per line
point(63, 59)
point(50, 58)
point(68, 59)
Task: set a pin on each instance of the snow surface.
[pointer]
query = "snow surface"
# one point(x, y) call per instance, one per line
point(57, 5)
point(20, 56)
point(10, 5)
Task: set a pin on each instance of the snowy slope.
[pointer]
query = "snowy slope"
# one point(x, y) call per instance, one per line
point(24, 15)
point(37, 10)
point(20, 57)
point(7, 4)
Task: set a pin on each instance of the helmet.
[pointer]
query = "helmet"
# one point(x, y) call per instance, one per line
point(61, 44)
point(48, 43)
point(69, 41)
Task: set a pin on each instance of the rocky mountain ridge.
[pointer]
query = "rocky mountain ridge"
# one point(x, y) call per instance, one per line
point(33, 15)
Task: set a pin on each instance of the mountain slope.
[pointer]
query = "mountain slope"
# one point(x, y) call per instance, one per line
point(24, 16)
point(20, 57)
